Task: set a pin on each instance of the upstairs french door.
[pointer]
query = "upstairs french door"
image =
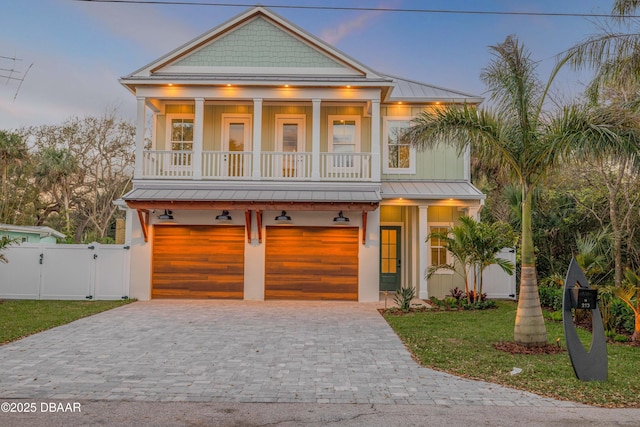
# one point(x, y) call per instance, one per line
point(236, 142)
point(290, 133)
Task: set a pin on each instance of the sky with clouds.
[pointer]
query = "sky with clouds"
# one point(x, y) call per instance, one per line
point(74, 52)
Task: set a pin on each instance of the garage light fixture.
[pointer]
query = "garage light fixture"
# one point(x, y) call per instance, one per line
point(283, 217)
point(166, 216)
point(340, 218)
point(224, 216)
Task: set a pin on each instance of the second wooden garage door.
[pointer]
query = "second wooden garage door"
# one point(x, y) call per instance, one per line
point(198, 261)
point(311, 263)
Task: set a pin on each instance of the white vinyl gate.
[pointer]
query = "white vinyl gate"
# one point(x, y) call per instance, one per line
point(69, 272)
point(496, 283)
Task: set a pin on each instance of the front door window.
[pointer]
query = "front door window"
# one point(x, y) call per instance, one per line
point(390, 263)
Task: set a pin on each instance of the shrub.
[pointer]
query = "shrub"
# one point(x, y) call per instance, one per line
point(403, 298)
point(550, 297)
point(457, 293)
point(620, 338)
point(480, 305)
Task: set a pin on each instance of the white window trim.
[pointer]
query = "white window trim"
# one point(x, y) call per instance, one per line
point(356, 160)
point(357, 119)
point(411, 170)
point(168, 125)
point(247, 119)
point(300, 120)
point(448, 225)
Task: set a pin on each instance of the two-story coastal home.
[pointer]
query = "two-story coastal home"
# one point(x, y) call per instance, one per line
point(268, 167)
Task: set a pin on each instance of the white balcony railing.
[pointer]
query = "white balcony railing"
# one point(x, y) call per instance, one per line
point(234, 165)
point(345, 166)
point(289, 166)
point(226, 165)
point(167, 164)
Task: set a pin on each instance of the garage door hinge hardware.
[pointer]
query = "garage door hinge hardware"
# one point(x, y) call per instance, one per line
point(95, 256)
point(91, 247)
point(41, 258)
point(127, 247)
point(89, 297)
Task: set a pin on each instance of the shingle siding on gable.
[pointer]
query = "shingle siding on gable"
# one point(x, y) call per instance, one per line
point(258, 44)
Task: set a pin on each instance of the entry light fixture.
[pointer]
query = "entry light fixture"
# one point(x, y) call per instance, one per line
point(340, 218)
point(167, 215)
point(224, 216)
point(283, 217)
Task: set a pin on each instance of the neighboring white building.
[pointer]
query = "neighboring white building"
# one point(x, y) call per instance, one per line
point(264, 140)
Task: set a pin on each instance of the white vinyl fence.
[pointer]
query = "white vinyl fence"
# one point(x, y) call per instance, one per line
point(69, 272)
point(498, 284)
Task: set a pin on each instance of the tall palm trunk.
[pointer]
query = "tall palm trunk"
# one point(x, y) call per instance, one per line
point(529, 328)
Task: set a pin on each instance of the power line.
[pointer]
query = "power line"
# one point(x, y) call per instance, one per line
point(366, 9)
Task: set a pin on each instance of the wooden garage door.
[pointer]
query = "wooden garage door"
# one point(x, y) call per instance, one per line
point(198, 261)
point(311, 263)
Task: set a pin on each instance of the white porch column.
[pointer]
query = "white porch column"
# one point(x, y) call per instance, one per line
point(315, 140)
point(467, 163)
point(376, 167)
point(474, 212)
point(423, 231)
point(140, 131)
point(198, 129)
point(257, 138)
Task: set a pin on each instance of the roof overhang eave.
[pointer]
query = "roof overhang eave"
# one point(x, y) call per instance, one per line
point(470, 100)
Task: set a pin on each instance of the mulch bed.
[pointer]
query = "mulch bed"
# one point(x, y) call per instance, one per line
point(513, 348)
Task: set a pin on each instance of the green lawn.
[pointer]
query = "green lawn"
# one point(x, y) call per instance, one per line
point(461, 343)
point(19, 318)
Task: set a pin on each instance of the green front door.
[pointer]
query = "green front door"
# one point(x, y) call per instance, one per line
point(390, 258)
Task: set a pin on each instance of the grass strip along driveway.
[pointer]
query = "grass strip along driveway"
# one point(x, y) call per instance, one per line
point(20, 318)
point(462, 343)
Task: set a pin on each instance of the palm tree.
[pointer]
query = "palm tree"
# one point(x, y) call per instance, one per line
point(614, 54)
point(491, 239)
point(474, 244)
point(630, 295)
point(13, 150)
point(528, 143)
point(457, 242)
point(56, 170)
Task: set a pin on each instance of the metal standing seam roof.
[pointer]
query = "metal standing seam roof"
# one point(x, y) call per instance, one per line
point(410, 90)
point(368, 195)
point(431, 190)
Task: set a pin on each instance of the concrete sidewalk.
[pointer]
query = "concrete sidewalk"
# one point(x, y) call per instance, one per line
point(237, 351)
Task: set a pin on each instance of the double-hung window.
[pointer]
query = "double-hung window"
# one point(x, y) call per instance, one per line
point(438, 251)
point(399, 157)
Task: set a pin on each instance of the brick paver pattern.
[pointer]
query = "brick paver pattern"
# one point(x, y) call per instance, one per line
point(236, 351)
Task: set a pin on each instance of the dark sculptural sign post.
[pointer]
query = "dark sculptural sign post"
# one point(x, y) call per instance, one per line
point(588, 365)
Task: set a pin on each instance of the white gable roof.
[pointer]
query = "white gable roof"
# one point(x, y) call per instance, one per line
point(259, 47)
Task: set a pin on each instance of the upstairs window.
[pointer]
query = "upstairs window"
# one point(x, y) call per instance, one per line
point(399, 156)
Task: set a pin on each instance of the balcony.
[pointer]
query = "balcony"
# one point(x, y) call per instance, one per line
point(276, 166)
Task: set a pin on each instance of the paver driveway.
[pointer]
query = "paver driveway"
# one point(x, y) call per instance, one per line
point(238, 351)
